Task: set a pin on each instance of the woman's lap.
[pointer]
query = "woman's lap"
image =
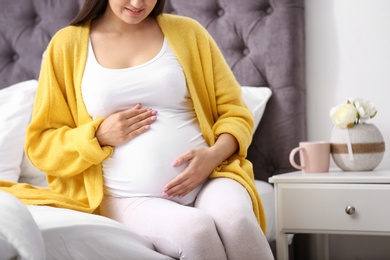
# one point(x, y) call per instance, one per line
point(204, 231)
point(175, 230)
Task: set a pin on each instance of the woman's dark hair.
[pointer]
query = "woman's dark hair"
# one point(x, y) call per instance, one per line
point(95, 8)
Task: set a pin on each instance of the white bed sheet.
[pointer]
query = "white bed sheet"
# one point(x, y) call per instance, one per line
point(20, 237)
point(68, 234)
point(267, 195)
point(266, 192)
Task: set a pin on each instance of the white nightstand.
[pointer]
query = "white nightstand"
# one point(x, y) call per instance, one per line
point(330, 203)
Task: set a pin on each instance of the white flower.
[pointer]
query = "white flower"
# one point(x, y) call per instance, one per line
point(344, 115)
point(355, 111)
point(366, 109)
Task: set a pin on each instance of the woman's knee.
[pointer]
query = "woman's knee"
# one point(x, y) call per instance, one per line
point(200, 239)
point(239, 221)
point(200, 227)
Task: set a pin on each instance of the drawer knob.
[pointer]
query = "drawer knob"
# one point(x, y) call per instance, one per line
point(350, 210)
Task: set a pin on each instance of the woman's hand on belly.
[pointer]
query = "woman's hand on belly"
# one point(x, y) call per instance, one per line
point(200, 166)
point(125, 125)
point(201, 162)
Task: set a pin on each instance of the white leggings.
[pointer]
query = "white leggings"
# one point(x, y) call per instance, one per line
point(220, 225)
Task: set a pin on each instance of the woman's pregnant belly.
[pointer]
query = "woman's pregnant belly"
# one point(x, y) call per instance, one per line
point(142, 167)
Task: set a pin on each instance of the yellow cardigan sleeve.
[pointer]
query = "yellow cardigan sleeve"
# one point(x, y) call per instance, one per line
point(56, 141)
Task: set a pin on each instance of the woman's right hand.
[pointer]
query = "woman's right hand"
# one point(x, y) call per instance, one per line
point(124, 125)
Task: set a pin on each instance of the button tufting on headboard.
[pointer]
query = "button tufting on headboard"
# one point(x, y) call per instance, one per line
point(15, 57)
point(221, 12)
point(27, 27)
point(37, 19)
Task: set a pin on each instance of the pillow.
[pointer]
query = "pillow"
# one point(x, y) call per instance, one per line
point(256, 99)
point(31, 174)
point(16, 103)
point(20, 237)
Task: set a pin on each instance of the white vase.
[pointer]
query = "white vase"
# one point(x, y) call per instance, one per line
point(357, 148)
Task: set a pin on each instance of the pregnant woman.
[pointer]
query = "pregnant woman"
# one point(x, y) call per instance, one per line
point(139, 117)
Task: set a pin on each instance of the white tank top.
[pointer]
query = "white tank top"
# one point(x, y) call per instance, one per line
point(142, 166)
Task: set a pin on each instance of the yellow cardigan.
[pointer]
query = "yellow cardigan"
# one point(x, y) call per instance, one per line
point(61, 141)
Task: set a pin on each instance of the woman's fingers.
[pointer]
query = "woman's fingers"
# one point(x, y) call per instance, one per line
point(138, 121)
point(196, 172)
point(125, 125)
point(181, 189)
point(140, 127)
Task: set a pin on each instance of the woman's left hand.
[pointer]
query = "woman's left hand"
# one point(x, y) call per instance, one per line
point(200, 165)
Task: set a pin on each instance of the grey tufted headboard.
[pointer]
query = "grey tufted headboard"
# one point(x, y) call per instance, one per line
point(26, 27)
point(262, 40)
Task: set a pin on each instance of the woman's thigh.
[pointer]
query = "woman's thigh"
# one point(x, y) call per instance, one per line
point(222, 197)
point(178, 231)
point(230, 206)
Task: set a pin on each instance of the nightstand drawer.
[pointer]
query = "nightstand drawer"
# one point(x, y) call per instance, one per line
point(321, 207)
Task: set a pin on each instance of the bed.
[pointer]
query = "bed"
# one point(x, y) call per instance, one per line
point(262, 41)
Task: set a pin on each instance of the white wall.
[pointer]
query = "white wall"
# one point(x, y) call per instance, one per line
point(348, 55)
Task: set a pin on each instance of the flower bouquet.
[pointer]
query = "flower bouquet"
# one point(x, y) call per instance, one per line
point(354, 111)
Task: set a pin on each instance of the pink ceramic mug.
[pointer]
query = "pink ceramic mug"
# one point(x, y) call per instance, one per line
point(314, 156)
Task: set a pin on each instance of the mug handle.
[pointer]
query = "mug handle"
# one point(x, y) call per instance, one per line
point(292, 158)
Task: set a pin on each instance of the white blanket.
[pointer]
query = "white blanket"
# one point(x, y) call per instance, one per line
point(20, 237)
point(41, 232)
point(72, 235)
